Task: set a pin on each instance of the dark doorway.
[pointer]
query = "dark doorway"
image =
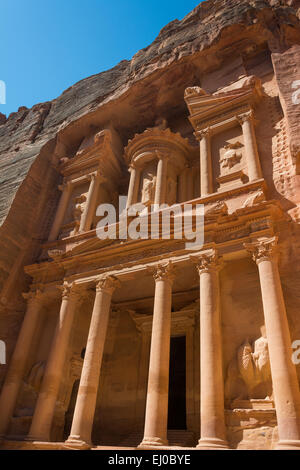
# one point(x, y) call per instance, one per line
point(177, 384)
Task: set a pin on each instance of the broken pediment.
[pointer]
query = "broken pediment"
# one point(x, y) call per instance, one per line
point(226, 102)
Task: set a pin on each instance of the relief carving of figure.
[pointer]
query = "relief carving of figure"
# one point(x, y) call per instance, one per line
point(232, 156)
point(148, 191)
point(249, 373)
point(77, 212)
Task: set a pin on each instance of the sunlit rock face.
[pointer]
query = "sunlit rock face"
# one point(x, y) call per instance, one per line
point(148, 342)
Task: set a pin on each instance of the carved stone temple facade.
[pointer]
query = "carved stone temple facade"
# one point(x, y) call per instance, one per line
point(145, 343)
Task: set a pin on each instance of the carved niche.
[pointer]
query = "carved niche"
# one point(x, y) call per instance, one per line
point(249, 375)
point(144, 152)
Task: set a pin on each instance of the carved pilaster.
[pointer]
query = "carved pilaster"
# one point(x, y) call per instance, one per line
point(246, 120)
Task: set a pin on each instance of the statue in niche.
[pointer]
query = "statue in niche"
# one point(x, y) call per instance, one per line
point(30, 389)
point(35, 376)
point(171, 191)
point(77, 212)
point(148, 191)
point(249, 373)
point(232, 155)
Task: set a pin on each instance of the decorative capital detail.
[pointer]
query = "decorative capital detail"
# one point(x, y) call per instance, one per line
point(203, 133)
point(69, 289)
point(242, 118)
point(208, 261)
point(35, 294)
point(162, 155)
point(109, 283)
point(163, 272)
point(262, 250)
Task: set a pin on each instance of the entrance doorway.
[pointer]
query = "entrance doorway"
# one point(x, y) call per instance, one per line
point(177, 384)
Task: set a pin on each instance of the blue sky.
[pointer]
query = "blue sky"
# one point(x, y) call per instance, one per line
point(48, 45)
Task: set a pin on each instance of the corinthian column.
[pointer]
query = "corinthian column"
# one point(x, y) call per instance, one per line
point(213, 434)
point(161, 180)
point(87, 394)
point(284, 376)
point(253, 163)
point(206, 179)
point(133, 191)
point(19, 359)
point(90, 205)
point(156, 420)
point(61, 210)
point(45, 407)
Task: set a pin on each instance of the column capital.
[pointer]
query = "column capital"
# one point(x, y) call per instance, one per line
point(244, 117)
point(70, 289)
point(163, 272)
point(263, 249)
point(161, 155)
point(208, 261)
point(96, 176)
point(202, 133)
point(107, 283)
point(66, 186)
point(36, 294)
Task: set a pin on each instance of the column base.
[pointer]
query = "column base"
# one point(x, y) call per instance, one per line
point(77, 443)
point(212, 444)
point(153, 442)
point(288, 445)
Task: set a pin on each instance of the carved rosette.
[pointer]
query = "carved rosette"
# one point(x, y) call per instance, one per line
point(163, 272)
point(107, 284)
point(203, 133)
point(208, 261)
point(263, 250)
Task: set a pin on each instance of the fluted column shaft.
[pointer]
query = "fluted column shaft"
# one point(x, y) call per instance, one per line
point(90, 205)
point(206, 179)
point(87, 394)
point(253, 163)
point(161, 180)
point(133, 190)
point(61, 210)
point(45, 407)
point(19, 359)
point(156, 419)
point(284, 376)
point(213, 435)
